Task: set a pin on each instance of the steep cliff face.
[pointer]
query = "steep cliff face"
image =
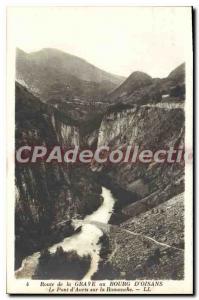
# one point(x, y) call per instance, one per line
point(47, 194)
point(150, 201)
point(150, 128)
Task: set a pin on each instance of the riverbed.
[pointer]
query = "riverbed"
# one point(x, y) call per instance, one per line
point(84, 243)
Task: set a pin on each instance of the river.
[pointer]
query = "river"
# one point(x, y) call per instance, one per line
point(84, 243)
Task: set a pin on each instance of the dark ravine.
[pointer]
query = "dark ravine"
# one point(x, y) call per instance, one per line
point(122, 196)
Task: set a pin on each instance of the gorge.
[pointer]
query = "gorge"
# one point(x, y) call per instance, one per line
point(61, 205)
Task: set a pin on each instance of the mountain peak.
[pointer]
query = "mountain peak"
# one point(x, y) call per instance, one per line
point(140, 78)
point(54, 75)
point(51, 51)
point(178, 74)
point(134, 82)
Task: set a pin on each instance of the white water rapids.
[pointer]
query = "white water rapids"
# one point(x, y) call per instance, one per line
point(84, 243)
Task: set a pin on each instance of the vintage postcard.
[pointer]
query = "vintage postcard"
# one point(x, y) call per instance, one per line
point(99, 156)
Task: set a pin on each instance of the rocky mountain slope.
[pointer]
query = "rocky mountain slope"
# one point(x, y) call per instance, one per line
point(55, 76)
point(151, 126)
point(140, 88)
point(148, 222)
point(149, 246)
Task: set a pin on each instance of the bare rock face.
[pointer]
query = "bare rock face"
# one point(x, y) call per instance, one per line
point(149, 128)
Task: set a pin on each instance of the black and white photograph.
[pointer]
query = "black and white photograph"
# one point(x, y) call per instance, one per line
point(100, 122)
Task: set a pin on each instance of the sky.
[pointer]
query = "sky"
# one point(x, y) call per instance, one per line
point(119, 40)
